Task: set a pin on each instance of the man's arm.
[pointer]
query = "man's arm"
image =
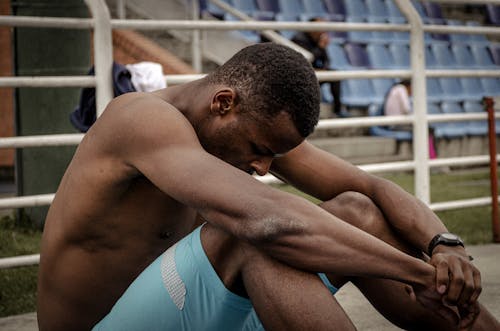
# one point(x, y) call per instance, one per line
point(157, 141)
point(324, 176)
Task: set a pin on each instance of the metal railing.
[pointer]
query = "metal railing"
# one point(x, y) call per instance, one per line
point(103, 25)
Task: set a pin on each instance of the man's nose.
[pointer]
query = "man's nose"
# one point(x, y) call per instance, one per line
point(262, 165)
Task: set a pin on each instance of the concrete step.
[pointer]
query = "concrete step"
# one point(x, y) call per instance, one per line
point(364, 149)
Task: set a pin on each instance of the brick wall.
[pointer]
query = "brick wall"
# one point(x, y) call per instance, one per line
point(6, 94)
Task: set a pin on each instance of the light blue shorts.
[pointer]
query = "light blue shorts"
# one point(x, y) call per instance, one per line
point(180, 290)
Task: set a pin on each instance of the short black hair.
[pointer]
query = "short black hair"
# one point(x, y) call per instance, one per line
point(271, 78)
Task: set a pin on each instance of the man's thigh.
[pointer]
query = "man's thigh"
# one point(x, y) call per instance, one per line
point(283, 297)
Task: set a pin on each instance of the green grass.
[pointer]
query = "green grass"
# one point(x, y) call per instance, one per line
point(18, 285)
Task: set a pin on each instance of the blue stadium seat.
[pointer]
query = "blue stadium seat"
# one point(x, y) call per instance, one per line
point(430, 59)
point(394, 11)
point(443, 55)
point(358, 36)
point(246, 6)
point(436, 37)
point(357, 92)
point(291, 7)
point(420, 8)
point(434, 91)
point(475, 128)
point(314, 7)
point(482, 56)
point(432, 9)
point(400, 55)
point(250, 36)
point(338, 57)
point(383, 131)
point(493, 14)
point(280, 17)
point(357, 55)
point(400, 36)
point(381, 86)
point(207, 6)
point(377, 8)
point(458, 37)
point(452, 90)
point(477, 38)
point(335, 7)
point(446, 129)
point(454, 129)
point(463, 56)
point(385, 37)
point(355, 8)
point(268, 5)
point(472, 89)
point(495, 53)
point(379, 56)
point(491, 86)
point(439, 127)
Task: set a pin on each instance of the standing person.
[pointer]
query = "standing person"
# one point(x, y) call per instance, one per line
point(316, 42)
point(156, 165)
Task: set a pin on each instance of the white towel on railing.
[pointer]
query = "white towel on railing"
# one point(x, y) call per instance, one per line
point(147, 76)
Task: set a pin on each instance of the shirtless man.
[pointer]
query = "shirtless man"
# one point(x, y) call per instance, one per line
point(156, 165)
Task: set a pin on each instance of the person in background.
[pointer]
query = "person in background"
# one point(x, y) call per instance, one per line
point(316, 42)
point(398, 102)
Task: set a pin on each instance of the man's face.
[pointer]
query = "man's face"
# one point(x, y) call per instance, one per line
point(248, 143)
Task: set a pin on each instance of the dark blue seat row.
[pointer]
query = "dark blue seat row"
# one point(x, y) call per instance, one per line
point(363, 92)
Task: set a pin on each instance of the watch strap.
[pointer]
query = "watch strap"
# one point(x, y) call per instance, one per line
point(439, 239)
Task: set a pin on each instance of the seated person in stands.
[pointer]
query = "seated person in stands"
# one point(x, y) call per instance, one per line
point(397, 99)
point(397, 102)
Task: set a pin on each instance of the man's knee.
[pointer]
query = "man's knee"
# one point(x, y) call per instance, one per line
point(358, 210)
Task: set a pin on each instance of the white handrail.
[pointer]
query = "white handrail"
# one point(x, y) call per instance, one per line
point(420, 125)
point(103, 53)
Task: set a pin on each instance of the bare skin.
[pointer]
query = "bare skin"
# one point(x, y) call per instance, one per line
point(153, 162)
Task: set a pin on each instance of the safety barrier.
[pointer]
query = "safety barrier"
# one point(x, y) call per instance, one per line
point(103, 24)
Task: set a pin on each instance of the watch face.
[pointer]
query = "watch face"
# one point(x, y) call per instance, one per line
point(449, 236)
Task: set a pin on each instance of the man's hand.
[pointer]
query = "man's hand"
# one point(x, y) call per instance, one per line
point(429, 298)
point(458, 281)
point(456, 276)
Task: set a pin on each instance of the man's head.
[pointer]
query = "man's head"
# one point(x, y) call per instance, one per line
point(269, 78)
point(265, 102)
point(406, 83)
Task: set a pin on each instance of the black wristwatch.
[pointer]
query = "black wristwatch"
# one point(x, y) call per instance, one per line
point(448, 239)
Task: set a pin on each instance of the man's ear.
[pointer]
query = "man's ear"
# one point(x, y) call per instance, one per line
point(223, 101)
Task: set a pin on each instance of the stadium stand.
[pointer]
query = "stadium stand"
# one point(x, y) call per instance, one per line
point(358, 50)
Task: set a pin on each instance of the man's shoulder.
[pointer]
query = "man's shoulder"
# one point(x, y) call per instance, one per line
point(138, 108)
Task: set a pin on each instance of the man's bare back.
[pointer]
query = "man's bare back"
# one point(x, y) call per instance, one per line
point(106, 225)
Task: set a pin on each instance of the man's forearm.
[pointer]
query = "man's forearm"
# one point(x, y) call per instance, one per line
point(410, 217)
point(320, 242)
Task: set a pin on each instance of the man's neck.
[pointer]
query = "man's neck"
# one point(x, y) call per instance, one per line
point(191, 99)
